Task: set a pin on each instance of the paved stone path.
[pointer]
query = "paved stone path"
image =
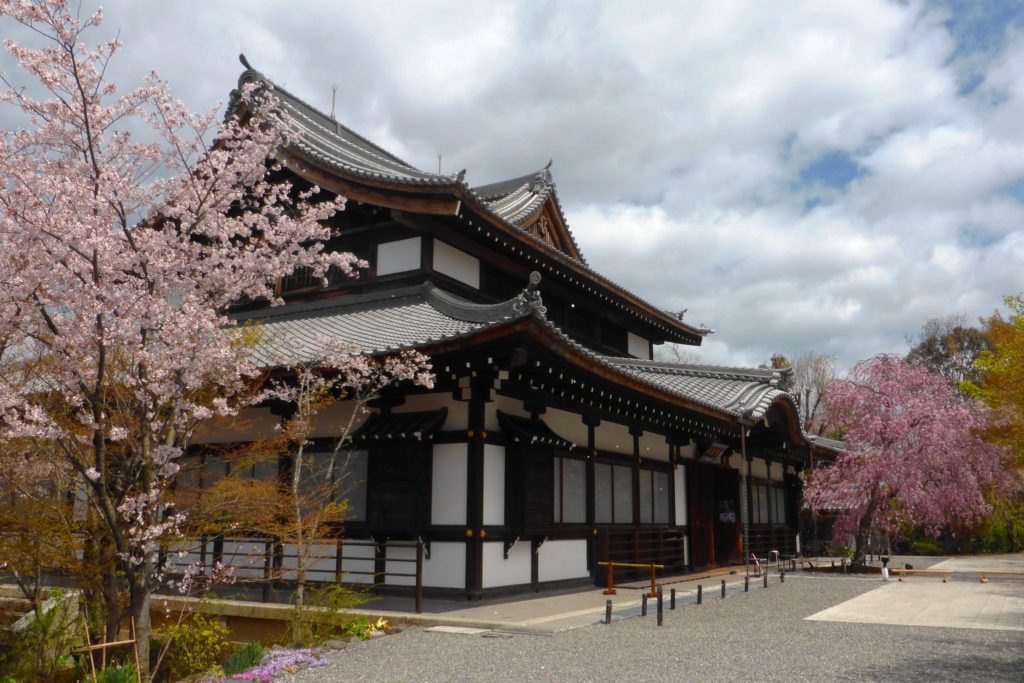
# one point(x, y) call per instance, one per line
point(761, 636)
point(927, 600)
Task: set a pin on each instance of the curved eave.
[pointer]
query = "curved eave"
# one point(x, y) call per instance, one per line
point(554, 341)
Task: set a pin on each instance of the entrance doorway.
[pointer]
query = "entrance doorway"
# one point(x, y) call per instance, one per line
point(713, 495)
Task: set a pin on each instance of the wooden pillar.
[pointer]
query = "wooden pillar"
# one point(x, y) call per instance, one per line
point(592, 550)
point(480, 388)
point(636, 433)
point(749, 494)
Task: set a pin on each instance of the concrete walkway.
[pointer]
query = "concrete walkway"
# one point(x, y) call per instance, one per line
point(561, 612)
point(961, 602)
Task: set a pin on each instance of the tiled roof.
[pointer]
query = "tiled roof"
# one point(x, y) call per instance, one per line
point(336, 146)
point(742, 392)
point(376, 324)
point(422, 316)
point(833, 445)
point(517, 199)
point(512, 202)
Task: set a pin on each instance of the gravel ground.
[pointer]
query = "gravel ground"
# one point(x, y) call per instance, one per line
point(761, 636)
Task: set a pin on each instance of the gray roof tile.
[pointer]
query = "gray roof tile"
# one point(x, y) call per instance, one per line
point(422, 316)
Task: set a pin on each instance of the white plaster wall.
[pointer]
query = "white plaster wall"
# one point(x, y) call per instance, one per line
point(192, 553)
point(446, 567)
point(494, 484)
point(637, 346)
point(613, 437)
point(358, 558)
point(457, 418)
point(246, 557)
point(567, 425)
point(249, 425)
point(562, 560)
point(399, 256)
point(680, 485)
point(759, 468)
point(456, 263)
point(400, 553)
point(448, 492)
point(687, 451)
point(777, 473)
point(504, 404)
point(501, 572)
point(332, 420)
point(653, 447)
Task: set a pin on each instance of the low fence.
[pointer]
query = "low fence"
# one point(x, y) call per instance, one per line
point(267, 562)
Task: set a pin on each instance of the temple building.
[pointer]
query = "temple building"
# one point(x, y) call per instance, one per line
point(552, 440)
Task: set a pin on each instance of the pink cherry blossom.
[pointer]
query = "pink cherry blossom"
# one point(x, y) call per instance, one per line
point(914, 455)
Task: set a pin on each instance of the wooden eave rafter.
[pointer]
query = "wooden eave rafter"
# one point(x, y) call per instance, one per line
point(572, 356)
point(430, 199)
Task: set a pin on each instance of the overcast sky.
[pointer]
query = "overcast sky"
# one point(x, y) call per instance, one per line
point(819, 176)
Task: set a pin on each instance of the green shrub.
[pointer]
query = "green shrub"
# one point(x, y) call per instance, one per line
point(194, 646)
point(362, 627)
point(117, 674)
point(926, 546)
point(39, 652)
point(321, 618)
point(245, 657)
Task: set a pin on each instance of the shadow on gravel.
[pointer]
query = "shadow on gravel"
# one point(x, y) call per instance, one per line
point(946, 660)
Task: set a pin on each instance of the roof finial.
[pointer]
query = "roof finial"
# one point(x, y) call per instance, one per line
point(529, 299)
point(439, 156)
point(334, 96)
point(245, 62)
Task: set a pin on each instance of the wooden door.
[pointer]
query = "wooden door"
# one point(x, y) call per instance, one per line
point(700, 493)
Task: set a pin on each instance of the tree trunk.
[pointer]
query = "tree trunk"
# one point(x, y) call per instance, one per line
point(140, 598)
point(864, 531)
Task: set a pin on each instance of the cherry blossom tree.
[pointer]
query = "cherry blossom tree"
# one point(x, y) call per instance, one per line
point(915, 456)
point(311, 505)
point(119, 257)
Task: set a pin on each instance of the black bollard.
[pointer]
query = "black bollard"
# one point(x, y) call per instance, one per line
point(672, 598)
point(661, 607)
point(746, 584)
point(643, 606)
point(700, 593)
point(723, 589)
point(844, 565)
point(766, 579)
point(607, 611)
point(782, 575)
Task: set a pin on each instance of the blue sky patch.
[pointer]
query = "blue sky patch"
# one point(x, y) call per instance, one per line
point(834, 169)
point(1014, 189)
point(980, 25)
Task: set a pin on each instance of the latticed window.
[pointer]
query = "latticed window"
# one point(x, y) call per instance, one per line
point(570, 477)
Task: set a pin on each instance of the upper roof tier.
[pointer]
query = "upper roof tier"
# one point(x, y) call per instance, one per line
point(526, 208)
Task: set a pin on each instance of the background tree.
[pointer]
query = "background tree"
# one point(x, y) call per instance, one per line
point(1000, 384)
point(914, 455)
point(949, 347)
point(118, 260)
point(811, 375)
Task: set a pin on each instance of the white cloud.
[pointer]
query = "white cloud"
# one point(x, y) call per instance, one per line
point(678, 133)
